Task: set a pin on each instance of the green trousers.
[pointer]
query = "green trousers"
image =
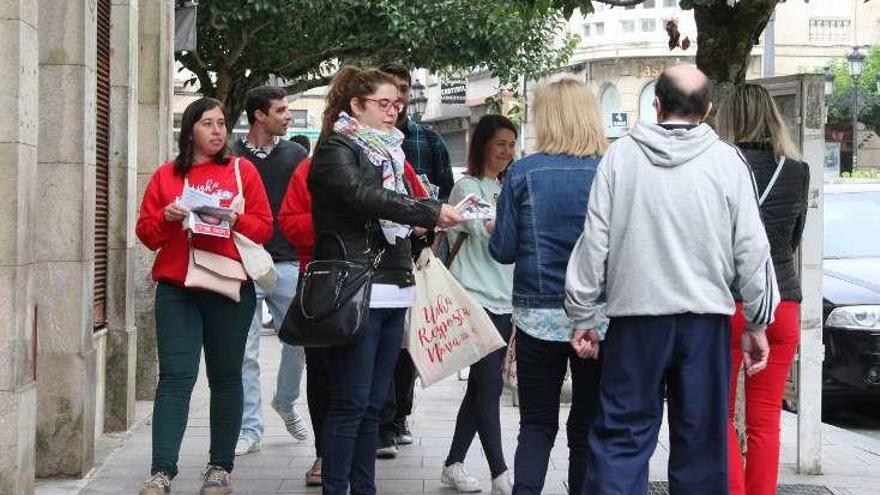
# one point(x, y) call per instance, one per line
point(187, 322)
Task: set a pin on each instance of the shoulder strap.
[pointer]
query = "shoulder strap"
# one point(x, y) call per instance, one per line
point(238, 176)
point(462, 236)
point(772, 180)
point(238, 200)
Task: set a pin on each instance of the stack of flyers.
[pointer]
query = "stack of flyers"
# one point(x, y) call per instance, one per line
point(472, 207)
point(206, 224)
point(206, 215)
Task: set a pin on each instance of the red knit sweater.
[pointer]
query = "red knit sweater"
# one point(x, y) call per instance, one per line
point(170, 239)
point(295, 217)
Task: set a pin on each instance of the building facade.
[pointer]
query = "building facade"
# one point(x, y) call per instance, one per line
point(86, 95)
point(623, 50)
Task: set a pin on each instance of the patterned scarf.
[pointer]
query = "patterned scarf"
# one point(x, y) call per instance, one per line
point(384, 151)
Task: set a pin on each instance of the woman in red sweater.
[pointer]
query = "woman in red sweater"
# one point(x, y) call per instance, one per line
point(190, 320)
point(295, 219)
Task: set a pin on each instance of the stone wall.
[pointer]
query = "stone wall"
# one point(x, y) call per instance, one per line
point(121, 365)
point(155, 120)
point(18, 166)
point(67, 360)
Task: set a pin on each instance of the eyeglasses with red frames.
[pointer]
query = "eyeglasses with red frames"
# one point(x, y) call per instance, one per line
point(384, 104)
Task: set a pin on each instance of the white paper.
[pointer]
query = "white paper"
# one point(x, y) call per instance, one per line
point(472, 207)
point(206, 216)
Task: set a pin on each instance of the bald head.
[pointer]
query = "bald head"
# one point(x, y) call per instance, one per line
point(683, 93)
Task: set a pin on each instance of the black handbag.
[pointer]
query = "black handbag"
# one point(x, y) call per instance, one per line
point(332, 302)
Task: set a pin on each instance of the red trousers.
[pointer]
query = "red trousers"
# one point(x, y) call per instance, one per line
point(763, 402)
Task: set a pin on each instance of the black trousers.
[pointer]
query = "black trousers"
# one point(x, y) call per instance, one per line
point(399, 404)
point(540, 368)
point(317, 392)
point(480, 410)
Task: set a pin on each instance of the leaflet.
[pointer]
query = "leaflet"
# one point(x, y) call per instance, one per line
point(206, 215)
point(472, 207)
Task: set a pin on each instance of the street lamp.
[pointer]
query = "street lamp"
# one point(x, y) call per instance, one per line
point(829, 80)
point(417, 101)
point(856, 61)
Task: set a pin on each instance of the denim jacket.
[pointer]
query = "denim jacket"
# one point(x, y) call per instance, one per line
point(540, 216)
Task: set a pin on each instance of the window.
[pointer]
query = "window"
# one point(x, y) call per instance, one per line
point(648, 4)
point(299, 118)
point(830, 30)
point(610, 102)
point(649, 25)
point(627, 27)
point(647, 113)
point(586, 30)
point(102, 165)
point(670, 3)
point(600, 28)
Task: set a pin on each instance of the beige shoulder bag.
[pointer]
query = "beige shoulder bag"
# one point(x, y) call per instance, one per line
point(257, 261)
point(212, 271)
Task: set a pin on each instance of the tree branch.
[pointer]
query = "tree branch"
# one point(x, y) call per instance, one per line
point(300, 86)
point(238, 50)
point(192, 61)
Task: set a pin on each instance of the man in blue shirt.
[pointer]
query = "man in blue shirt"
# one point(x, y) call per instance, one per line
point(423, 146)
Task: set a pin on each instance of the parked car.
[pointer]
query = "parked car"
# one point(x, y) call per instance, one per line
point(851, 290)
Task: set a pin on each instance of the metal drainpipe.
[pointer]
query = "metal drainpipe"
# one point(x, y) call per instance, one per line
point(769, 69)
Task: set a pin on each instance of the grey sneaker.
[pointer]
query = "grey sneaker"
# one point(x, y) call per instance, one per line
point(246, 446)
point(217, 481)
point(292, 421)
point(157, 484)
point(404, 434)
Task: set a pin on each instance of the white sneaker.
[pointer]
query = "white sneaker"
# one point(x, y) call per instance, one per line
point(501, 485)
point(455, 476)
point(246, 446)
point(292, 421)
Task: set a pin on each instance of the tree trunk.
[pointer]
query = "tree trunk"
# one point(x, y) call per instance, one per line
point(726, 36)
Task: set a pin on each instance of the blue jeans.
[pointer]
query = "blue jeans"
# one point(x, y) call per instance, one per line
point(540, 371)
point(292, 358)
point(358, 388)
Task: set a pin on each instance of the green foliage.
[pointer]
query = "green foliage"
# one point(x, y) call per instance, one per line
point(841, 100)
point(508, 103)
point(867, 173)
point(242, 43)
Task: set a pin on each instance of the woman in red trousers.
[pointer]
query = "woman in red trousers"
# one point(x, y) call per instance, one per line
point(750, 119)
point(295, 219)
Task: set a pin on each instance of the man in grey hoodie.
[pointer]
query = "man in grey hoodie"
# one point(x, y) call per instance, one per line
point(672, 238)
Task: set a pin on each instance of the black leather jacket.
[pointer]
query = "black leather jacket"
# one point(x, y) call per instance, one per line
point(784, 212)
point(348, 199)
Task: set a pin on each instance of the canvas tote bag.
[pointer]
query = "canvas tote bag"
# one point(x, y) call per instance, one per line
point(447, 330)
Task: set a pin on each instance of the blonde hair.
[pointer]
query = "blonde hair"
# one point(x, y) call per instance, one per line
point(749, 115)
point(567, 119)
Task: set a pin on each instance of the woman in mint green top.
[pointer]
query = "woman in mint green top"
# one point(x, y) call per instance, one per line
point(491, 284)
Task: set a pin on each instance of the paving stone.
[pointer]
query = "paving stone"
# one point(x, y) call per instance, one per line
point(852, 462)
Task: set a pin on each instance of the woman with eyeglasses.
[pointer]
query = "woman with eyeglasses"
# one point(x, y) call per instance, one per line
point(359, 193)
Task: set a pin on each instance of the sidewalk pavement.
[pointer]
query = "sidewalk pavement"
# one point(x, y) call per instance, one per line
point(851, 461)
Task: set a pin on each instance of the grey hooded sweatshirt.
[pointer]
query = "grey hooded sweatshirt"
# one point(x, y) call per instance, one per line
point(672, 227)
